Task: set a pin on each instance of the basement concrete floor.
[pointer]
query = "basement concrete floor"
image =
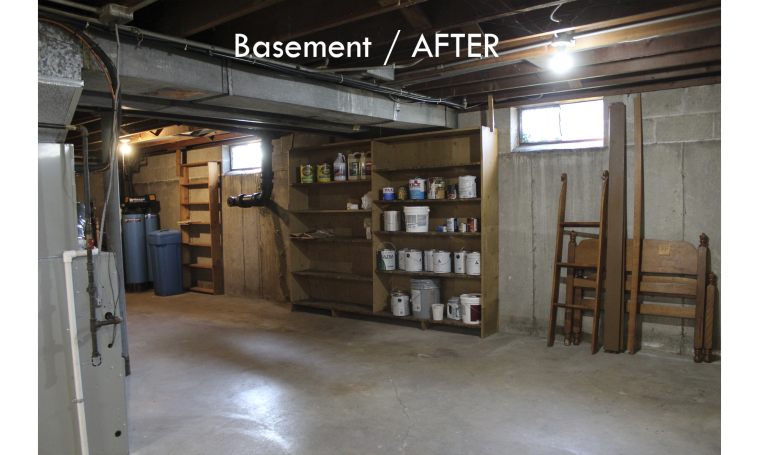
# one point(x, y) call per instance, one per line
point(221, 375)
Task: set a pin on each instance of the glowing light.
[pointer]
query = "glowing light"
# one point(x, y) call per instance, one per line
point(124, 147)
point(561, 62)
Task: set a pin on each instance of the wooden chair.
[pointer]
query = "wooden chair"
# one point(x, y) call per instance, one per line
point(669, 269)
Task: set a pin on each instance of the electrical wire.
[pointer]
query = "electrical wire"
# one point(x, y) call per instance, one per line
point(554, 12)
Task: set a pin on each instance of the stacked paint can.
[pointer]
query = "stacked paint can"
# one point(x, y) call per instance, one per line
point(306, 174)
point(467, 187)
point(324, 172)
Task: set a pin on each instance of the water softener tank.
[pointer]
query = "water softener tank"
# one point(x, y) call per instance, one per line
point(152, 223)
point(135, 252)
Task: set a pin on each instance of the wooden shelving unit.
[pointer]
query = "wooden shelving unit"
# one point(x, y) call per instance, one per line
point(200, 224)
point(340, 273)
point(336, 269)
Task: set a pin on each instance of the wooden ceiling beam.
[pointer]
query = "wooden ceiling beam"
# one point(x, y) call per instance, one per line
point(194, 16)
point(559, 87)
point(416, 17)
point(176, 145)
point(625, 51)
point(697, 22)
point(680, 59)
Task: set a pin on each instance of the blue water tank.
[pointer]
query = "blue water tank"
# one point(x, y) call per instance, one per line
point(166, 246)
point(135, 252)
point(152, 223)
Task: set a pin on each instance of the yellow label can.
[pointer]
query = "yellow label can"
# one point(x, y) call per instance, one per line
point(307, 174)
point(324, 172)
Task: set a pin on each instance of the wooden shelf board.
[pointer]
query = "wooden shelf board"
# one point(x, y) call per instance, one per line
point(367, 143)
point(427, 168)
point(316, 212)
point(198, 266)
point(451, 234)
point(429, 274)
point(201, 223)
point(204, 290)
point(185, 204)
point(333, 275)
point(339, 182)
point(203, 183)
point(334, 239)
point(367, 310)
point(199, 163)
point(204, 245)
point(425, 201)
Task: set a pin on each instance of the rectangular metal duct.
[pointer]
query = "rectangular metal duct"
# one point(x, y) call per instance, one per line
point(57, 98)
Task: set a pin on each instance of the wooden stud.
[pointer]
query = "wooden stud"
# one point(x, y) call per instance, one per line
point(637, 226)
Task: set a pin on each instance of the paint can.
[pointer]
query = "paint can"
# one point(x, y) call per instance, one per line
point(402, 193)
point(401, 259)
point(436, 188)
point(441, 261)
point(417, 188)
point(473, 263)
point(413, 260)
point(467, 187)
point(453, 191)
point(459, 262)
point(392, 221)
point(417, 218)
point(424, 293)
point(306, 174)
point(386, 257)
point(473, 225)
point(428, 260)
point(471, 310)
point(388, 193)
point(399, 303)
point(452, 224)
point(324, 172)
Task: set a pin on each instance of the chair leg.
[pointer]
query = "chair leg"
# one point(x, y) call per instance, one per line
point(568, 312)
point(577, 320)
point(711, 291)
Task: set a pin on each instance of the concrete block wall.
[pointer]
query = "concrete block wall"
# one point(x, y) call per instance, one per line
point(681, 200)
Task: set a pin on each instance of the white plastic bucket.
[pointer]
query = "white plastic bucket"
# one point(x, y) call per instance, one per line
point(399, 303)
point(459, 262)
point(386, 257)
point(441, 261)
point(413, 260)
point(471, 310)
point(392, 221)
point(428, 260)
point(417, 188)
point(417, 218)
point(467, 187)
point(437, 311)
point(402, 259)
point(473, 263)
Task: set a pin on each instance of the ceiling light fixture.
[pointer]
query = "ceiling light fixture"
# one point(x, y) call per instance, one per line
point(124, 147)
point(561, 61)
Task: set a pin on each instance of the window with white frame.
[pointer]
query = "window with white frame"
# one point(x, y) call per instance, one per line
point(562, 123)
point(245, 157)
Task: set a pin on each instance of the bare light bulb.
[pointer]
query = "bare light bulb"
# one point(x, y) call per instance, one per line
point(125, 146)
point(561, 62)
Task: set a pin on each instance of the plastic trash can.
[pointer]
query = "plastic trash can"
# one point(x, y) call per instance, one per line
point(166, 248)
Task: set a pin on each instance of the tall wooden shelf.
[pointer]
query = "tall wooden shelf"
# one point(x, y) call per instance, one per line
point(200, 224)
point(395, 160)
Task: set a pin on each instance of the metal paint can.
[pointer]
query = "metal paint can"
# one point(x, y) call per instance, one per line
point(416, 188)
point(473, 263)
point(452, 224)
point(436, 188)
point(392, 220)
point(388, 193)
point(473, 225)
point(441, 261)
point(399, 303)
point(324, 172)
point(428, 260)
point(306, 174)
point(402, 193)
point(402, 259)
point(386, 258)
point(453, 191)
point(414, 260)
point(459, 262)
point(467, 187)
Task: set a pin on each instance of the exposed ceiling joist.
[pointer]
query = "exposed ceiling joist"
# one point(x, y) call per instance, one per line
point(416, 17)
point(177, 145)
point(195, 16)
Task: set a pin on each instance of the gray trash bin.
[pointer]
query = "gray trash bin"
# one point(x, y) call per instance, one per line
point(166, 247)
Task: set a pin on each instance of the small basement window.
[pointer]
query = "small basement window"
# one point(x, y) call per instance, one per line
point(564, 126)
point(245, 158)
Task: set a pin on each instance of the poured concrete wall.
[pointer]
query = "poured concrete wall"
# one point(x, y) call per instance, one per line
point(681, 200)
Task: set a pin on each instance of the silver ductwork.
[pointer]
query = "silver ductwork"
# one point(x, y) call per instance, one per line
point(57, 98)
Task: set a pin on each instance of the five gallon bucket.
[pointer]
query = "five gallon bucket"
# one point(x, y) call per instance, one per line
point(399, 303)
point(459, 262)
point(413, 260)
point(473, 263)
point(417, 218)
point(441, 261)
point(392, 221)
point(386, 257)
point(471, 310)
point(424, 292)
